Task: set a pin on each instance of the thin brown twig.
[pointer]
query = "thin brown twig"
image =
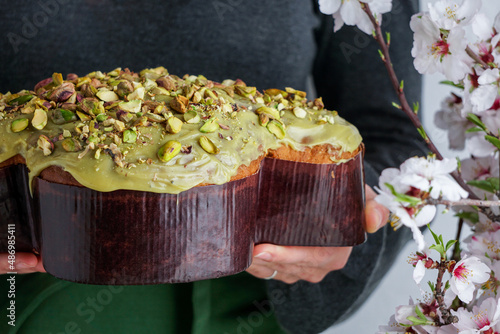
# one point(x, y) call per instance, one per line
point(405, 107)
point(462, 202)
point(439, 293)
point(456, 249)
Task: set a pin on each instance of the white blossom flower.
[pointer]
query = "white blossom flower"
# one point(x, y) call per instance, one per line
point(466, 273)
point(483, 97)
point(447, 329)
point(393, 327)
point(435, 52)
point(409, 217)
point(416, 177)
point(481, 26)
point(447, 14)
point(485, 224)
point(351, 13)
point(432, 175)
point(478, 146)
point(485, 246)
point(480, 320)
point(450, 118)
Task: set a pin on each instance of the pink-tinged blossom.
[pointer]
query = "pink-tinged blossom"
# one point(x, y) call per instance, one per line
point(480, 169)
point(485, 224)
point(447, 14)
point(421, 261)
point(485, 246)
point(436, 52)
point(465, 275)
point(483, 318)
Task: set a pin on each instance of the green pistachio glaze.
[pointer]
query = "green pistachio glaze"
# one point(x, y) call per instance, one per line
point(240, 138)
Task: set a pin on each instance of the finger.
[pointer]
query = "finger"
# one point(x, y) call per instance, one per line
point(266, 272)
point(330, 258)
point(370, 194)
point(376, 215)
point(260, 270)
point(287, 273)
point(24, 263)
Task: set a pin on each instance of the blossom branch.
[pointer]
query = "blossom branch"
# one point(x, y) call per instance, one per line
point(456, 248)
point(463, 202)
point(439, 294)
point(405, 107)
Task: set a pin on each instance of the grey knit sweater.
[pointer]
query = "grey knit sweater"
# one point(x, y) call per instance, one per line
point(265, 43)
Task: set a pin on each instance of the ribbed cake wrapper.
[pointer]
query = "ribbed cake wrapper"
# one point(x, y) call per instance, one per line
point(128, 237)
point(17, 216)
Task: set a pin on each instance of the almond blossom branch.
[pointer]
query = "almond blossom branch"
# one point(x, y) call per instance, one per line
point(439, 294)
point(405, 107)
point(456, 247)
point(463, 202)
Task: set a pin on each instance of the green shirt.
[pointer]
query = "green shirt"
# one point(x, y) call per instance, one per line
point(46, 305)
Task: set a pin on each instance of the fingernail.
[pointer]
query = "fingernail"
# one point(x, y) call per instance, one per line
point(264, 256)
point(22, 265)
point(378, 216)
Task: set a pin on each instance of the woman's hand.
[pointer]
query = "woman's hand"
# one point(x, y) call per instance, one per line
point(312, 264)
point(25, 263)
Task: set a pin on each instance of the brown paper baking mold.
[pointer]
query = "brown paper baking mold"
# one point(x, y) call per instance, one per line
point(131, 237)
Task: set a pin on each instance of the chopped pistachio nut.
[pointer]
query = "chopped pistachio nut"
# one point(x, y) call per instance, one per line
point(40, 118)
point(119, 125)
point(71, 145)
point(129, 136)
point(83, 117)
point(169, 150)
point(192, 117)
point(20, 100)
point(263, 119)
point(66, 133)
point(45, 145)
point(210, 125)
point(107, 95)
point(57, 79)
point(179, 104)
point(208, 145)
point(154, 117)
point(19, 125)
point(133, 106)
point(270, 112)
point(299, 112)
point(62, 116)
point(174, 125)
point(137, 94)
point(101, 117)
point(277, 129)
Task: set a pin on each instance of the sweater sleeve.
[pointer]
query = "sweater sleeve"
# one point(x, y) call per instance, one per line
point(351, 78)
